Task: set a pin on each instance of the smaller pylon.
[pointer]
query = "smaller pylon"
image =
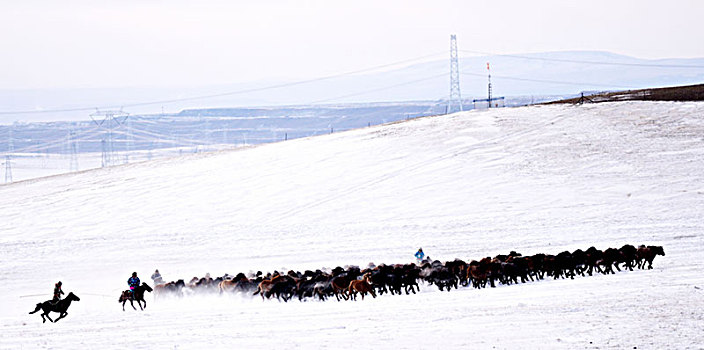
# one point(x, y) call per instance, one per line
point(8, 170)
point(8, 162)
point(73, 148)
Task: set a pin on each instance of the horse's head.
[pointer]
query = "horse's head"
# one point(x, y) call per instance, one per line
point(147, 287)
point(73, 297)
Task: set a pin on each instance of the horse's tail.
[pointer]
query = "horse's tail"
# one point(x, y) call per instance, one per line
point(39, 306)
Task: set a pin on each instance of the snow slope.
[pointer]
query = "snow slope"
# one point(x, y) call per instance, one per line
point(468, 185)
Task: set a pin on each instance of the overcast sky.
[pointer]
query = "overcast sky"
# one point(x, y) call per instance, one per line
point(48, 44)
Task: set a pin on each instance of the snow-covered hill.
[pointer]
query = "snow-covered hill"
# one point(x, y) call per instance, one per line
point(467, 185)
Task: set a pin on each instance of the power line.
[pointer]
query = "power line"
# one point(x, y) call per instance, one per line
point(83, 136)
point(379, 89)
point(243, 91)
point(588, 62)
point(551, 81)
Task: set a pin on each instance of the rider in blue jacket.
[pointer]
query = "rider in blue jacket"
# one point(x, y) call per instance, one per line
point(133, 282)
point(420, 255)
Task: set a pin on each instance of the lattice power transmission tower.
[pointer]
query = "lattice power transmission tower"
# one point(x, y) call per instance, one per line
point(73, 149)
point(111, 121)
point(8, 163)
point(455, 101)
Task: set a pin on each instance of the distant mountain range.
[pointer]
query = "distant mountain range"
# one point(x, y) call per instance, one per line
point(538, 74)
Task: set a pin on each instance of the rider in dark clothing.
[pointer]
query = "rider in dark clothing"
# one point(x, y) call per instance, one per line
point(133, 282)
point(57, 292)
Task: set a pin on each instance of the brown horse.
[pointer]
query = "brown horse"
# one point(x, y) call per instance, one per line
point(476, 275)
point(171, 288)
point(647, 254)
point(265, 286)
point(227, 286)
point(339, 287)
point(61, 306)
point(362, 286)
point(138, 295)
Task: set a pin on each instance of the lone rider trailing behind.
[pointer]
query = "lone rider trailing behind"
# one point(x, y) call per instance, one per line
point(156, 277)
point(133, 283)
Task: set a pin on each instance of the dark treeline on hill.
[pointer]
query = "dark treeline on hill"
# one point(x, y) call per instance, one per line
point(346, 283)
point(676, 93)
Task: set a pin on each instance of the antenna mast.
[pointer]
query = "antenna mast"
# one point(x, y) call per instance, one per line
point(489, 72)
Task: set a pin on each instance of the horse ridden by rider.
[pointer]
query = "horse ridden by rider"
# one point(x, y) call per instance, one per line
point(136, 294)
point(56, 304)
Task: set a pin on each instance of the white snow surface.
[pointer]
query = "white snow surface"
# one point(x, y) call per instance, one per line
point(467, 185)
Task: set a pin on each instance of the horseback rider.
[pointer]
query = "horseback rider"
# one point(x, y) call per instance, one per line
point(133, 282)
point(156, 277)
point(57, 293)
point(419, 255)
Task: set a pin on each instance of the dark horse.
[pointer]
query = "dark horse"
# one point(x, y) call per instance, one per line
point(61, 306)
point(138, 295)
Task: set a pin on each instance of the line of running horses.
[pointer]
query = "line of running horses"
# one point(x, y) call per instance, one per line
point(347, 283)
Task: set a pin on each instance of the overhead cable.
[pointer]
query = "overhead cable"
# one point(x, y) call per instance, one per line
point(236, 92)
point(587, 62)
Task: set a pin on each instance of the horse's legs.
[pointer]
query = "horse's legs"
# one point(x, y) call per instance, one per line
point(47, 316)
point(132, 303)
point(62, 315)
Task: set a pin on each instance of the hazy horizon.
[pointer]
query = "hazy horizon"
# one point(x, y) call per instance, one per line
point(181, 43)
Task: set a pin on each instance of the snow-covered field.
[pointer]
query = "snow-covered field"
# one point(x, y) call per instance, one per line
point(468, 185)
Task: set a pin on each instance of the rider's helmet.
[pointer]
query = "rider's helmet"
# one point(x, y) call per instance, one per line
point(134, 274)
point(59, 283)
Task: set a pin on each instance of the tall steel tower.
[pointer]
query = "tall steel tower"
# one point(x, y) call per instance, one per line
point(455, 101)
point(111, 120)
point(73, 149)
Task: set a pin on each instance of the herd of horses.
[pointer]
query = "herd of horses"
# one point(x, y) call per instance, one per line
point(349, 282)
